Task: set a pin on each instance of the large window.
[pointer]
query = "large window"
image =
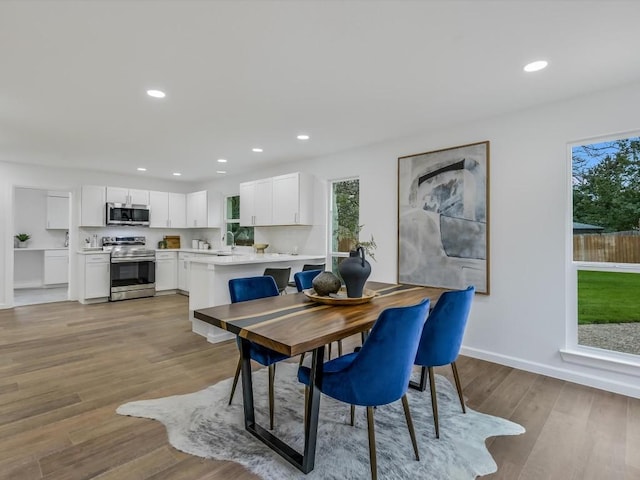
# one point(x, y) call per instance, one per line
point(241, 235)
point(606, 243)
point(345, 217)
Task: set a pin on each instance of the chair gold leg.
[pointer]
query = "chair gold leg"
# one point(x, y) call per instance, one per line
point(372, 444)
point(235, 379)
point(301, 359)
point(353, 415)
point(434, 401)
point(272, 374)
point(412, 432)
point(458, 386)
point(339, 348)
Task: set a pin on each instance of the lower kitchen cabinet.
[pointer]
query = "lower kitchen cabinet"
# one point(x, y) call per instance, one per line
point(95, 277)
point(166, 271)
point(183, 271)
point(56, 267)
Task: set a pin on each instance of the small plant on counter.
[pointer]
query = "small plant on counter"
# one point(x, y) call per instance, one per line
point(23, 237)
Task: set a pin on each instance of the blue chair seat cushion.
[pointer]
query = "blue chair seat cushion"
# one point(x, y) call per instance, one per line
point(263, 355)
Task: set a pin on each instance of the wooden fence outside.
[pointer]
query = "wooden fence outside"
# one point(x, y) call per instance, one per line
point(607, 247)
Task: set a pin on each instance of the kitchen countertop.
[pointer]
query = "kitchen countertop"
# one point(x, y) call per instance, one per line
point(39, 249)
point(242, 259)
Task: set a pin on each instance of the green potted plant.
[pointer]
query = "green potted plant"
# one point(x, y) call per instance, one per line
point(350, 238)
point(22, 239)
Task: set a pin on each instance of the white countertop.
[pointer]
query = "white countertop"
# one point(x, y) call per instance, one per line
point(39, 249)
point(92, 251)
point(254, 258)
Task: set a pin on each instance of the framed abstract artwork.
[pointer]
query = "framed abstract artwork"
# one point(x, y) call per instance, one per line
point(443, 218)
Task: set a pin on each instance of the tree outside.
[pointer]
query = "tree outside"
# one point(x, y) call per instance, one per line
point(606, 184)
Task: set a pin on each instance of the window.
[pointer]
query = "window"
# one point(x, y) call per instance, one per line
point(344, 219)
point(243, 236)
point(606, 244)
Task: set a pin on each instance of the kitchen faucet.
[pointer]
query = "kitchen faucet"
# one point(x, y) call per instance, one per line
point(233, 239)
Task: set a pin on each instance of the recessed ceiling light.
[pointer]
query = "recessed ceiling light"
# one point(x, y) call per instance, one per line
point(156, 93)
point(221, 171)
point(177, 174)
point(535, 66)
point(142, 169)
point(303, 137)
point(222, 160)
point(257, 150)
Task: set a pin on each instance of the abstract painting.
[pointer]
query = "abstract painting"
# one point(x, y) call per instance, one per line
point(443, 218)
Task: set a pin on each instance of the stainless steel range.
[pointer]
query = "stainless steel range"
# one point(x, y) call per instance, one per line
point(133, 268)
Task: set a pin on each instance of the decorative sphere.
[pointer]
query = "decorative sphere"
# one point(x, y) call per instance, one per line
point(326, 283)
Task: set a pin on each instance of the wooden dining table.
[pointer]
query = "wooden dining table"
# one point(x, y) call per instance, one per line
point(292, 324)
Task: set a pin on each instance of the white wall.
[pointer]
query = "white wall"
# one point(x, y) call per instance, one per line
point(523, 321)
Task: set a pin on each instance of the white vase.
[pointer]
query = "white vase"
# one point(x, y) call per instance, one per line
point(22, 244)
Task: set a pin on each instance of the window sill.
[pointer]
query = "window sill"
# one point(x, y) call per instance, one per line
point(603, 360)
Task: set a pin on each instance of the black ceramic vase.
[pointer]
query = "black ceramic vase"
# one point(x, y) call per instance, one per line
point(354, 271)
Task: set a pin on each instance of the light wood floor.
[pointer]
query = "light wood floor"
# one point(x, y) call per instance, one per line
point(65, 367)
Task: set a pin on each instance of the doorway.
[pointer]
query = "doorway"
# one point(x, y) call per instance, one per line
point(41, 246)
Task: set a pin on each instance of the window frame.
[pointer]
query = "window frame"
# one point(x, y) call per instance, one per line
point(573, 352)
point(330, 253)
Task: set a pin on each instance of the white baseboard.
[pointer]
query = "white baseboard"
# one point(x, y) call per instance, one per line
point(29, 284)
point(595, 381)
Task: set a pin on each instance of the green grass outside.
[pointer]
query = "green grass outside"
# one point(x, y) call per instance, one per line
point(608, 297)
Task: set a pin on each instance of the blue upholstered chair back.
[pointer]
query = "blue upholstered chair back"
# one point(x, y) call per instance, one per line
point(442, 334)
point(252, 288)
point(380, 372)
point(304, 279)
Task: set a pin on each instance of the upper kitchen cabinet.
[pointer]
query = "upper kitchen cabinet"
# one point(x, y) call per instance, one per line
point(204, 209)
point(292, 199)
point(127, 195)
point(92, 206)
point(256, 202)
point(167, 210)
point(57, 211)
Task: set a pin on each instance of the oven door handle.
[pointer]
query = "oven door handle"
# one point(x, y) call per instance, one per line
point(132, 259)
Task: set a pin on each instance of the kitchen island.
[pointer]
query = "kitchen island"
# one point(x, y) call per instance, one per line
point(209, 279)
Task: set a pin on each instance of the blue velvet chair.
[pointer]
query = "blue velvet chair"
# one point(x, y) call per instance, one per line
point(304, 279)
point(252, 288)
point(441, 340)
point(379, 372)
point(307, 267)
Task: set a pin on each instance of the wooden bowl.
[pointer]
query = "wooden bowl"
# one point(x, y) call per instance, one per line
point(340, 298)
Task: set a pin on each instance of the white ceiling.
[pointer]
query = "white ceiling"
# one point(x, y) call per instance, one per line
point(240, 74)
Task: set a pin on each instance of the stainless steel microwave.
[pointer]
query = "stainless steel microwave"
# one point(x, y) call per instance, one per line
point(125, 214)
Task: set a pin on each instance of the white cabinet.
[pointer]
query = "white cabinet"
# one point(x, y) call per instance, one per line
point(197, 209)
point(127, 195)
point(292, 199)
point(57, 211)
point(168, 210)
point(204, 209)
point(94, 276)
point(92, 206)
point(166, 271)
point(183, 270)
point(282, 200)
point(256, 200)
point(56, 267)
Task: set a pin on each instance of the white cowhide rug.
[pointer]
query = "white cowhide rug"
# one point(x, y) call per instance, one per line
point(202, 424)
